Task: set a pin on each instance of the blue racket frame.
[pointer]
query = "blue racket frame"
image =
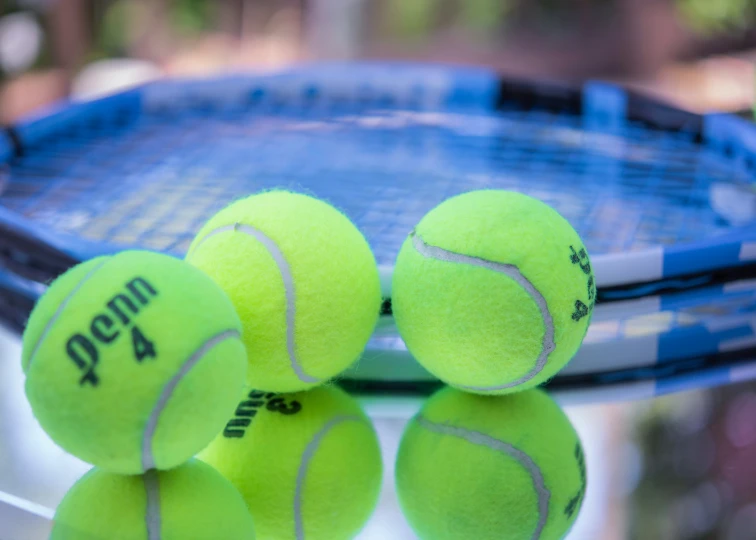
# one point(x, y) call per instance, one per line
point(688, 179)
point(29, 246)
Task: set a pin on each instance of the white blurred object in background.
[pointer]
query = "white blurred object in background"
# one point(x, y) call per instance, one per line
point(20, 41)
point(107, 77)
point(335, 29)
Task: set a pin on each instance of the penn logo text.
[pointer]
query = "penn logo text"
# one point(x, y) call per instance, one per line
point(574, 503)
point(116, 319)
point(583, 308)
point(252, 404)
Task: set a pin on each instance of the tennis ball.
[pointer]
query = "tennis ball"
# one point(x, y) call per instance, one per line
point(308, 464)
point(493, 291)
point(472, 466)
point(303, 280)
point(133, 361)
point(190, 502)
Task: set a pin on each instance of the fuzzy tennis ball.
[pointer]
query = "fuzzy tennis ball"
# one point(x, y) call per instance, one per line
point(134, 361)
point(308, 464)
point(486, 467)
point(303, 280)
point(190, 502)
point(493, 291)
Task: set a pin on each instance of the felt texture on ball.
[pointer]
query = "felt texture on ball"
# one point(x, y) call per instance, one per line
point(190, 502)
point(303, 280)
point(490, 467)
point(493, 292)
point(133, 361)
point(308, 464)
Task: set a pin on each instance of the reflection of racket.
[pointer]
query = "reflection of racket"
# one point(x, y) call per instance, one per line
point(397, 397)
point(641, 182)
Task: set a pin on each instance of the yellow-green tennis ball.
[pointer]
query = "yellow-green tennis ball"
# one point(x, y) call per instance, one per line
point(303, 280)
point(493, 292)
point(134, 361)
point(490, 467)
point(308, 464)
point(191, 502)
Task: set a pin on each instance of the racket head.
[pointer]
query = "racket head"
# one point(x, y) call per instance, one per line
point(658, 194)
point(654, 191)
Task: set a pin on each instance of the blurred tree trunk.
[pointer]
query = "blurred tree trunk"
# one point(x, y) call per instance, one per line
point(585, 9)
point(446, 14)
point(230, 17)
point(71, 36)
point(255, 14)
point(652, 35)
point(335, 29)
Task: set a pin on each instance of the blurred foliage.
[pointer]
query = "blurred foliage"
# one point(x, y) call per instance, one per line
point(699, 458)
point(116, 24)
point(191, 17)
point(486, 16)
point(44, 58)
point(411, 20)
point(417, 19)
point(113, 36)
point(666, 447)
point(718, 16)
point(122, 20)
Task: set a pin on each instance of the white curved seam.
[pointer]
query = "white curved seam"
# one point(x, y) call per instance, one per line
point(59, 311)
point(547, 343)
point(288, 282)
point(481, 439)
point(152, 512)
point(148, 459)
point(307, 456)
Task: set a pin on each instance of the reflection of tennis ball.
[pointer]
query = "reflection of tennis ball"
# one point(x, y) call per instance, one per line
point(308, 464)
point(493, 292)
point(191, 501)
point(473, 466)
point(133, 361)
point(303, 281)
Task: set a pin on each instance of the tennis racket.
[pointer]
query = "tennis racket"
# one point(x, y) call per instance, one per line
point(626, 341)
point(663, 198)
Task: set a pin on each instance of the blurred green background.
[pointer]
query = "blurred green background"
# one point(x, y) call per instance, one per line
point(695, 51)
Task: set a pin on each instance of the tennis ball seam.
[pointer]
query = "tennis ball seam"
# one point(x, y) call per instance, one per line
point(152, 512)
point(548, 344)
point(58, 312)
point(148, 459)
point(497, 445)
point(307, 455)
point(289, 288)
